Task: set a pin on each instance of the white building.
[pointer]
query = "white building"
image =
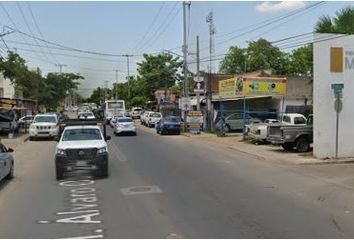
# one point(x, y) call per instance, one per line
point(7, 90)
point(333, 63)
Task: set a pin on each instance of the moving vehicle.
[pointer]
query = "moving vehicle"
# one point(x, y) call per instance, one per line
point(82, 147)
point(289, 136)
point(152, 118)
point(6, 163)
point(114, 119)
point(169, 124)
point(136, 112)
point(44, 125)
point(86, 115)
point(112, 108)
point(125, 125)
point(235, 122)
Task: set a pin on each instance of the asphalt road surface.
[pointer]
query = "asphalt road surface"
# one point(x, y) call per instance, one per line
point(172, 187)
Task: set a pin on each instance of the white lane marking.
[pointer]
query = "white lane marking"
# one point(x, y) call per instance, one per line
point(43, 221)
point(140, 190)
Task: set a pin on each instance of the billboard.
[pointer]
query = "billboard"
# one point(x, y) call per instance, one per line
point(230, 87)
point(264, 86)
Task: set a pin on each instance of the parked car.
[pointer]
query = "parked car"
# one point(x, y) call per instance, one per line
point(125, 125)
point(299, 136)
point(113, 121)
point(144, 117)
point(25, 121)
point(44, 125)
point(258, 131)
point(6, 163)
point(235, 122)
point(136, 112)
point(169, 124)
point(152, 118)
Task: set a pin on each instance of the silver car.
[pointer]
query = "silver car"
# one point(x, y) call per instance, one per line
point(6, 162)
point(125, 125)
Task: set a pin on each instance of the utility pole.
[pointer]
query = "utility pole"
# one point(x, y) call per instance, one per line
point(127, 55)
point(198, 75)
point(185, 54)
point(105, 89)
point(116, 92)
point(212, 31)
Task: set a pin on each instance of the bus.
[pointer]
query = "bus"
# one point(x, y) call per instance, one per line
point(112, 108)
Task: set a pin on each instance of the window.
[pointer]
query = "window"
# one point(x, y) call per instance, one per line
point(299, 120)
point(48, 119)
point(123, 120)
point(82, 134)
point(286, 119)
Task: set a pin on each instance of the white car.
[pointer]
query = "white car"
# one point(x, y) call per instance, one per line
point(44, 125)
point(6, 163)
point(113, 121)
point(136, 112)
point(82, 147)
point(258, 131)
point(125, 125)
point(152, 118)
point(143, 117)
point(86, 115)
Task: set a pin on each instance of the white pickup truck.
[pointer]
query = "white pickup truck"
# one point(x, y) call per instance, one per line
point(258, 131)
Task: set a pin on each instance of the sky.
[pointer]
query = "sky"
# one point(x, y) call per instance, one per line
point(134, 28)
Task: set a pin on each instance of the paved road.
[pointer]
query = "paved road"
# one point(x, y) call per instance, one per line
point(172, 187)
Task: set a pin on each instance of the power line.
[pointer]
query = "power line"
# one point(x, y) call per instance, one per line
point(39, 31)
point(159, 27)
point(164, 29)
point(151, 25)
point(29, 28)
point(66, 47)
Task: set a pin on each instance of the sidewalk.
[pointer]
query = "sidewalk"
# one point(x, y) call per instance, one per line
point(14, 142)
point(264, 152)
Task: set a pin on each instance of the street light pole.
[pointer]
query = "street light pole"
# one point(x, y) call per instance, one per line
point(185, 53)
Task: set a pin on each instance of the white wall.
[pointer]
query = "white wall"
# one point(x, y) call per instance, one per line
point(324, 113)
point(5, 84)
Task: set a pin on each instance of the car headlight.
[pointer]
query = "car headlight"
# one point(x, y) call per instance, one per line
point(60, 152)
point(102, 150)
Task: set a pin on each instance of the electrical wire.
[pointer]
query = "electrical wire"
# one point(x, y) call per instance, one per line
point(39, 31)
point(150, 26)
point(149, 41)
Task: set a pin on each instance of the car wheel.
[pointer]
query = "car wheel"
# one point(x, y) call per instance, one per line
point(104, 170)
point(302, 145)
point(11, 173)
point(227, 128)
point(288, 146)
point(59, 173)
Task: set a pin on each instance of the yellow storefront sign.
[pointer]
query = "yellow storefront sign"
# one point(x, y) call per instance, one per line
point(227, 88)
point(261, 86)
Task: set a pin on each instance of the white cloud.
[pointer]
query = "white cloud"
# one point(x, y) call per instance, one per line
point(279, 6)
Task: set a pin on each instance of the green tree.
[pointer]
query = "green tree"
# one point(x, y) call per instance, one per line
point(262, 55)
point(157, 71)
point(301, 61)
point(342, 23)
point(234, 61)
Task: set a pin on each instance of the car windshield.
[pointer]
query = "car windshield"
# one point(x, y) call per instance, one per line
point(86, 114)
point(172, 119)
point(124, 120)
point(82, 134)
point(50, 119)
point(155, 114)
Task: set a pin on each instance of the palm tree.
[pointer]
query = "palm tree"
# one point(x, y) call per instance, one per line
point(342, 23)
